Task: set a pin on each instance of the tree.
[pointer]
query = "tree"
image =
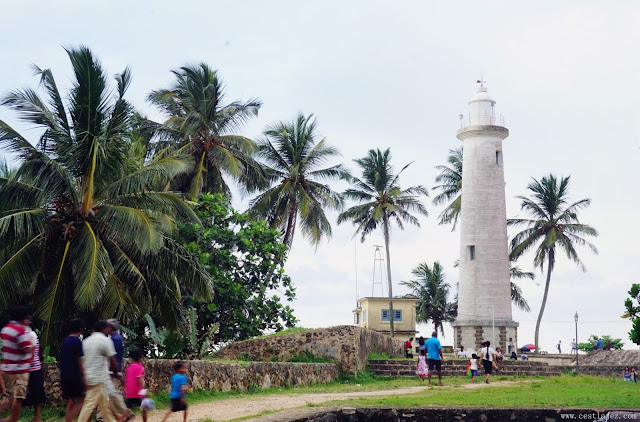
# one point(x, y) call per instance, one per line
point(554, 224)
point(450, 188)
point(293, 156)
point(381, 202)
point(516, 292)
point(616, 343)
point(200, 124)
point(432, 292)
point(238, 252)
point(632, 305)
point(6, 172)
point(78, 233)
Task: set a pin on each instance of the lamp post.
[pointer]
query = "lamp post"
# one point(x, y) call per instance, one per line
point(575, 317)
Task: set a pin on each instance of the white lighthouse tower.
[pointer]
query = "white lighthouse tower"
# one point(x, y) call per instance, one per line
point(484, 295)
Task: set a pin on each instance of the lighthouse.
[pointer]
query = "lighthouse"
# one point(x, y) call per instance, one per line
point(484, 294)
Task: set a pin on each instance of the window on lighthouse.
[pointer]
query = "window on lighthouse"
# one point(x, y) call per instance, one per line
point(471, 252)
point(498, 158)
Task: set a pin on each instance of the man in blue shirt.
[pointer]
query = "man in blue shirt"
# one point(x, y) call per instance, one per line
point(434, 356)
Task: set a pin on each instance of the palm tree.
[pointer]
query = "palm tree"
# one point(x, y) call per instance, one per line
point(6, 172)
point(516, 292)
point(382, 201)
point(78, 233)
point(200, 124)
point(293, 155)
point(450, 179)
point(432, 292)
point(554, 223)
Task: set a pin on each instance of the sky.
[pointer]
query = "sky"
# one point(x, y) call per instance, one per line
point(381, 74)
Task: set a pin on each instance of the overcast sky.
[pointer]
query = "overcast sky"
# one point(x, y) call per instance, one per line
point(397, 74)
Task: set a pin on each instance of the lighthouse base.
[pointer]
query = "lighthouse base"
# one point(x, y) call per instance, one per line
point(470, 334)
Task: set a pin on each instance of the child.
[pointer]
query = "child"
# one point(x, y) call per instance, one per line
point(178, 390)
point(134, 382)
point(422, 365)
point(473, 366)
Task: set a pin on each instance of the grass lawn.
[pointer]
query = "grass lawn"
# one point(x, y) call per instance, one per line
point(568, 391)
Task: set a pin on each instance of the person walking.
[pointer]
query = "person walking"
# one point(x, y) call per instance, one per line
point(488, 358)
point(17, 352)
point(72, 370)
point(473, 367)
point(179, 387)
point(558, 346)
point(421, 369)
point(574, 346)
point(35, 390)
point(434, 357)
point(134, 390)
point(626, 374)
point(99, 356)
point(112, 387)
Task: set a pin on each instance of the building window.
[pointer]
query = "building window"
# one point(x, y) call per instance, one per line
point(397, 315)
point(356, 318)
point(471, 252)
point(385, 315)
point(364, 316)
point(498, 158)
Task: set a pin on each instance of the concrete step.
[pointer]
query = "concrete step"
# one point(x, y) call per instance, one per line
point(407, 368)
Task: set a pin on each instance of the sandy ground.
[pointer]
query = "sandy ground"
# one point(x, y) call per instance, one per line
point(232, 408)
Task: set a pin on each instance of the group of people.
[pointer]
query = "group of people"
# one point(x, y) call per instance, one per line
point(630, 374)
point(91, 371)
point(429, 358)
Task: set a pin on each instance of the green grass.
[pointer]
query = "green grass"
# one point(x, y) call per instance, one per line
point(287, 331)
point(567, 391)
point(563, 392)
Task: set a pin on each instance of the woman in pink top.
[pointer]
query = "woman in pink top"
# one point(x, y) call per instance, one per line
point(134, 382)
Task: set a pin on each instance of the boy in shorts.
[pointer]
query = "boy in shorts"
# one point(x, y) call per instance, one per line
point(134, 382)
point(179, 385)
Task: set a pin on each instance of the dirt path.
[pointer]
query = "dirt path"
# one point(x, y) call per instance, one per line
point(232, 408)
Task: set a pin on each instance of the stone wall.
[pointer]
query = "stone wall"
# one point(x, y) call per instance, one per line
point(442, 414)
point(347, 344)
point(218, 376)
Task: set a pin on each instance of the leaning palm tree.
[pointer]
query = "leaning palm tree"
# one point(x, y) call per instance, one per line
point(200, 124)
point(554, 224)
point(450, 187)
point(382, 201)
point(432, 292)
point(79, 234)
point(293, 154)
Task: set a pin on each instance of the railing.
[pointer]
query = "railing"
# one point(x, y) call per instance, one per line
point(481, 120)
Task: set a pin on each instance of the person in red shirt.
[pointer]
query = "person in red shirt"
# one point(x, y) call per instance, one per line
point(407, 348)
point(17, 353)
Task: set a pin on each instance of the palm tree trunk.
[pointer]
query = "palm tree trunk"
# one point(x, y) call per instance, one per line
point(291, 226)
point(385, 227)
point(544, 297)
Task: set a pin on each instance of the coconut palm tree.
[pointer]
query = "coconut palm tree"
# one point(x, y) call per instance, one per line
point(6, 172)
point(382, 201)
point(432, 292)
point(201, 124)
point(450, 187)
point(554, 225)
point(294, 155)
point(78, 233)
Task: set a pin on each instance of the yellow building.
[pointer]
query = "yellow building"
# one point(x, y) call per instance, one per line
point(373, 313)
